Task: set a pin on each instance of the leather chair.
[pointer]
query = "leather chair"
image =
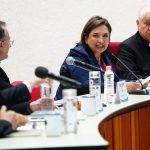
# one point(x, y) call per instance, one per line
point(113, 47)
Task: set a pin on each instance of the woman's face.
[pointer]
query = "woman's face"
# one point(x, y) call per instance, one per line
point(98, 39)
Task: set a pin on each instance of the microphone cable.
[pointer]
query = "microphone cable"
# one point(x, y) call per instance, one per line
point(142, 86)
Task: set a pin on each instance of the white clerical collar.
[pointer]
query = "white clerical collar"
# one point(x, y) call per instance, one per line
point(149, 44)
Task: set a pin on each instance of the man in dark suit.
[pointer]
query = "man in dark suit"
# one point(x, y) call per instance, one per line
point(15, 97)
point(135, 51)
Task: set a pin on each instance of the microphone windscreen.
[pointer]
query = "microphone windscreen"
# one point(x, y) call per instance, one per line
point(41, 72)
point(70, 60)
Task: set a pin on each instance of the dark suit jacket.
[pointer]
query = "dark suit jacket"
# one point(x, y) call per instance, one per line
point(82, 53)
point(5, 128)
point(14, 97)
point(135, 53)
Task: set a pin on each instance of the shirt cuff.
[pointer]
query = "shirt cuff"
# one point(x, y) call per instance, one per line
point(28, 86)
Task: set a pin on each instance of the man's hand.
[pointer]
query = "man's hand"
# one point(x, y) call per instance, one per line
point(38, 104)
point(133, 86)
point(14, 118)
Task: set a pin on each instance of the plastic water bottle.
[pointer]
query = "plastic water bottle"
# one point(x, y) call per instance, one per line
point(95, 88)
point(46, 98)
point(70, 110)
point(109, 85)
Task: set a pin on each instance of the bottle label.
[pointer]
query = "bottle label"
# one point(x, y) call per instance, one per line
point(70, 115)
point(47, 103)
point(109, 87)
point(94, 81)
point(95, 89)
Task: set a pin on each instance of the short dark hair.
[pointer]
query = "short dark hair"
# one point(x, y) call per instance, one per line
point(2, 29)
point(93, 23)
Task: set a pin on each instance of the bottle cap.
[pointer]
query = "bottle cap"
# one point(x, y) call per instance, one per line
point(108, 67)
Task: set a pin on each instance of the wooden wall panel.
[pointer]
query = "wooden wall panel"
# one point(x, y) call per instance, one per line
point(116, 133)
point(144, 128)
point(108, 129)
point(129, 131)
point(135, 129)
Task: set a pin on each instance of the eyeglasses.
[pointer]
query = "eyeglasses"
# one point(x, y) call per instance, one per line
point(147, 25)
point(11, 42)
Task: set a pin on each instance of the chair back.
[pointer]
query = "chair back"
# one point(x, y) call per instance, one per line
point(113, 47)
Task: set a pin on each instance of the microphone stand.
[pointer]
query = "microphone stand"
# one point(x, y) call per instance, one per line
point(142, 91)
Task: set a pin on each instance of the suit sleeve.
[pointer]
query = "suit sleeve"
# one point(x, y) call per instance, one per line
point(14, 95)
point(22, 108)
point(75, 73)
point(5, 128)
point(127, 56)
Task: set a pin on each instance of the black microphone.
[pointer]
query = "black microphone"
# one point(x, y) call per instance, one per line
point(43, 72)
point(71, 61)
point(143, 91)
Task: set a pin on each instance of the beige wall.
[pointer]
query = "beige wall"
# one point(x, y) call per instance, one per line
point(45, 30)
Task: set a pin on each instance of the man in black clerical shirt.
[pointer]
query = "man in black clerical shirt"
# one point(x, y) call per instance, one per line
point(135, 51)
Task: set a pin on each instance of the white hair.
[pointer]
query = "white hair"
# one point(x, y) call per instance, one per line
point(145, 10)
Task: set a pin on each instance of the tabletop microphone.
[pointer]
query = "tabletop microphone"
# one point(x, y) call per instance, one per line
point(143, 91)
point(71, 61)
point(43, 72)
